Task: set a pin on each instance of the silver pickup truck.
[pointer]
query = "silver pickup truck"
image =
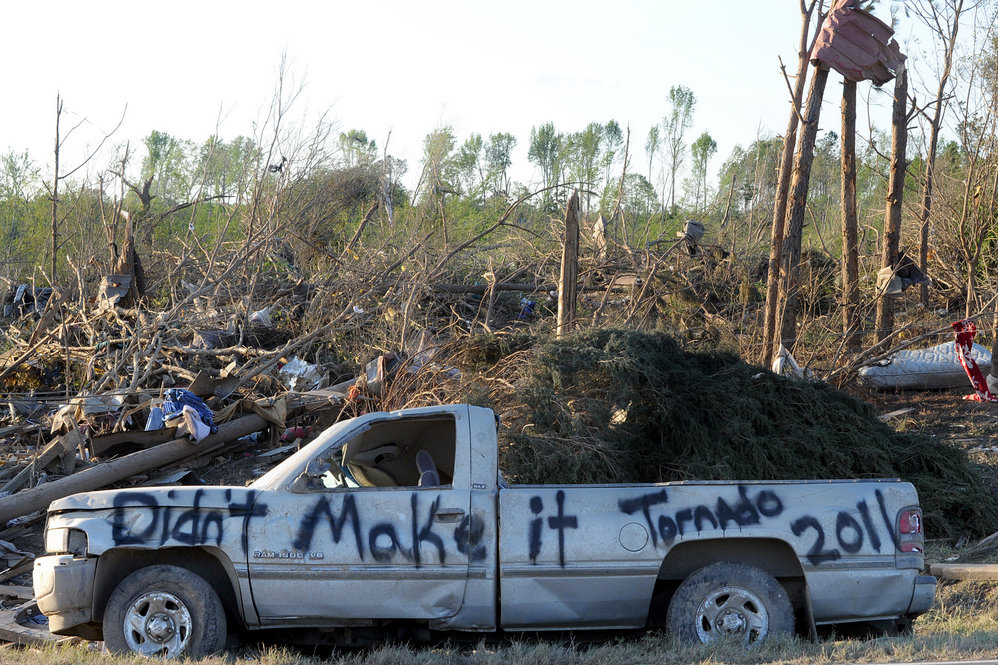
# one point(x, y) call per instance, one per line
point(403, 519)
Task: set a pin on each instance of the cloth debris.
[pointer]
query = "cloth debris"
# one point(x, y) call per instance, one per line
point(178, 398)
point(786, 365)
point(965, 331)
point(188, 421)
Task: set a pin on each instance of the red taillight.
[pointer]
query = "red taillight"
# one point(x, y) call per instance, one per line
point(910, 522)
point(909, 531)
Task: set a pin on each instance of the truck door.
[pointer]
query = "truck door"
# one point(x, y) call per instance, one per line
point(377, 535)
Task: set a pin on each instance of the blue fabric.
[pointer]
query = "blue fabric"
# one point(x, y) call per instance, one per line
point(177, 398)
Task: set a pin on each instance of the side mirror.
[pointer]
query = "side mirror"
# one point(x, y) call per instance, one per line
point(309, 477)
point(315, 469)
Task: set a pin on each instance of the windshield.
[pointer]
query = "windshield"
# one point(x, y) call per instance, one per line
point(279, 474)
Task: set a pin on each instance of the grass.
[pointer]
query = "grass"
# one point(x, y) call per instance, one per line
point(962, 625)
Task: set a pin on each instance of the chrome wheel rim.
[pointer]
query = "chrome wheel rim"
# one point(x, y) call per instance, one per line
point(732, 613)
point(157, 624)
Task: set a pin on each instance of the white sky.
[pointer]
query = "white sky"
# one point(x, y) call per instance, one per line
point(404, 67)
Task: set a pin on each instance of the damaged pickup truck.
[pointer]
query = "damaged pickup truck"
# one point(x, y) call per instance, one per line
point(402, 520)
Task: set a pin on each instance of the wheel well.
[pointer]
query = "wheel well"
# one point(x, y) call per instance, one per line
point(771, 555)
point(115, 565)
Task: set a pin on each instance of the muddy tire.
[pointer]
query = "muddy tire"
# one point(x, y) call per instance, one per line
point(729, 601)
point(164, 611)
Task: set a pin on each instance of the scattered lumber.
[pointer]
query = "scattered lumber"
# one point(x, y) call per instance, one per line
point(983, 572)
point(17, 591)
point(61, 445)
point(95, 477)
point(21, 568)
point(16, 626)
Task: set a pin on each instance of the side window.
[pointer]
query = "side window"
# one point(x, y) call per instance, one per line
point(411, 452)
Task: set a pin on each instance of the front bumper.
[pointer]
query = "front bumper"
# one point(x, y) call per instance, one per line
point(64, 589)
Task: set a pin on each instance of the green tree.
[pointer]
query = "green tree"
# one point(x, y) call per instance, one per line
point(613, 141)
point(653, 144)
point(168, 166)
point(547, 152)
point(702, 150)
point(227, 167)
point(439, 165)
point(21, 213)
point(471, 166)
point(584, 152)
point(498, 153)
point(674, 126)
point(357, 148)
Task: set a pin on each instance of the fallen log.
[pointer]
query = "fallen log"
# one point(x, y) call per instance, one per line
point(95, 477)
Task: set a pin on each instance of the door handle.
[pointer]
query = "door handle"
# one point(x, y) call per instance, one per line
point(447, 515)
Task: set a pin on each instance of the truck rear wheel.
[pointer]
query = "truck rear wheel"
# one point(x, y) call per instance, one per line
point(729, 601)
point(167, 612)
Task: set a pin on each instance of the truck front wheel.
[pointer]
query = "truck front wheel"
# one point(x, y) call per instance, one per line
point(164, 611)
point(729, 601)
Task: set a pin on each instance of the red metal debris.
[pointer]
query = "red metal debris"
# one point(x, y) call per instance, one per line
point(857, 45)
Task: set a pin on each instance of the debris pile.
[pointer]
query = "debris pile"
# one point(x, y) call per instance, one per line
point(205, 391)
point(624, 406)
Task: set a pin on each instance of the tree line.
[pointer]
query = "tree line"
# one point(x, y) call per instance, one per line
point(315, 193)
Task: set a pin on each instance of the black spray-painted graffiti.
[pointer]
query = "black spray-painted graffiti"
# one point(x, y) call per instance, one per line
point(746, 511)
point(848, 532)
point(468, 536)
point(198, 526)
point(383, 539)
point(191, 526)
point(558, 522)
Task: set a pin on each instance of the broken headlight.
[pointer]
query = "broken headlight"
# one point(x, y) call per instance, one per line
point(63, 540)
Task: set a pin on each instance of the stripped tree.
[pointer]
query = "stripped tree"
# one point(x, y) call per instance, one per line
point(783, 183)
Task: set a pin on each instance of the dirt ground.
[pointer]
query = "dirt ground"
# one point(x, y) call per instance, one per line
point(946, 415)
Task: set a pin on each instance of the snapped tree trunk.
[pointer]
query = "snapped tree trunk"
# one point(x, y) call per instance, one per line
point(782, 189)
point(568, 279)
point(850, 247)
point(895, 197)
point(797, 207)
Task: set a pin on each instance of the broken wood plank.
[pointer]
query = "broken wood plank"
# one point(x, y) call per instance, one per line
point(12, 630)
point(965, 571)
point(25, 566)
point(59, 446)
point(899, 412)
point(104, 442)
point(17, 591)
